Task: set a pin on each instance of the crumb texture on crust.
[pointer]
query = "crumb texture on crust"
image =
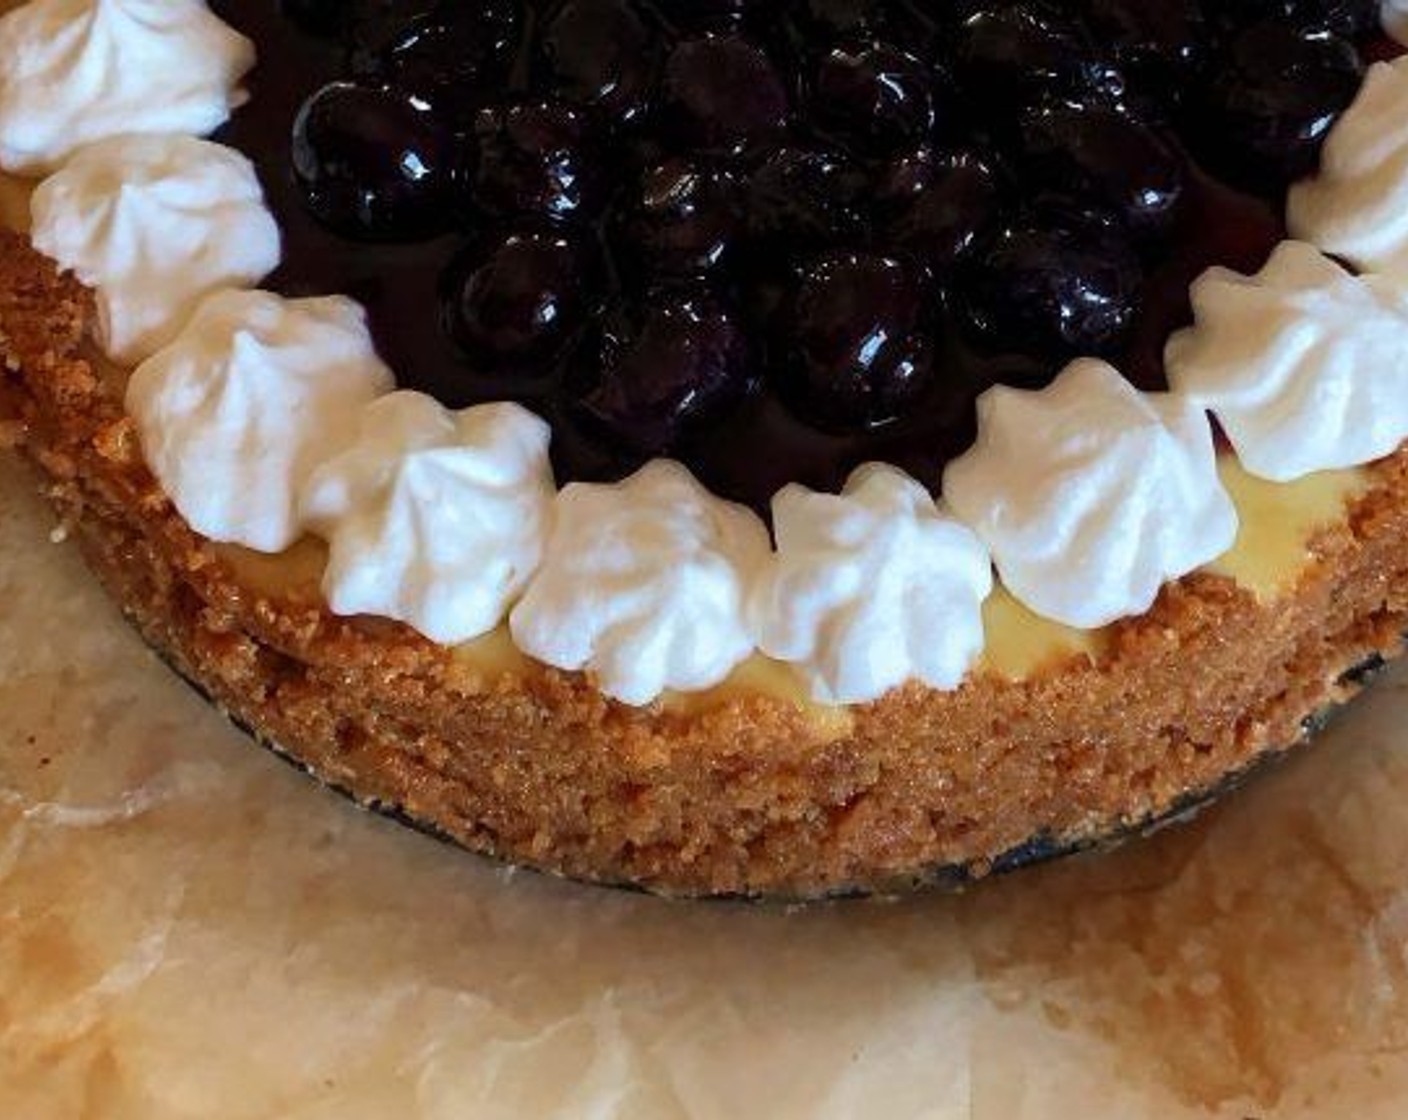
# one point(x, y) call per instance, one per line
point(750, 795)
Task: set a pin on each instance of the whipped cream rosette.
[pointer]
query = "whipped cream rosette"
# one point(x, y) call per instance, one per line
point(1092, 495)
point(82, 70)
point(253, 395)
point(434, 518)
point(1304, 364)
point(1357, 206)
point(644, 584)
point(154, 224)
point(872, 587)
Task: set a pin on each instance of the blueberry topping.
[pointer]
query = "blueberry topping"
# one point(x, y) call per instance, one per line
point(632, 214)
point(858, 349)
point(683, 220)
point(900, 180)
point(600, 53)
point(317, 17)
point(374, 163)
point(1267, 107)
point(452, 63)
point(943, 210)
point(1341, 17)
point(723, 94)
point(372, 24)
point(1050, 286)
point(873, 97)
point(838, 19)
point(804, 197)
point(1107, 159)
point(536, 159)
point(1159, 47)
point(514, 303)
point(706, 15)
point(664, 364)
point(1007, 56)
point(357, 23)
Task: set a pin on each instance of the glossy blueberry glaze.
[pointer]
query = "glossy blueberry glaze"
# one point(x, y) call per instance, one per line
point(774, 240)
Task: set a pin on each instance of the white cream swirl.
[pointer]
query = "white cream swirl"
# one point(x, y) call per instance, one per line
point(1304, 364)
point(871, 588)
point(75, 71)
point(434, 518)
point(1091, 495)
point(253, 394)
point(1357, 206)
point(644, 585)
point(154, 224)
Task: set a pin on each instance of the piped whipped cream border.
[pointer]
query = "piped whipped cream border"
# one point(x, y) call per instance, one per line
point(266, 418)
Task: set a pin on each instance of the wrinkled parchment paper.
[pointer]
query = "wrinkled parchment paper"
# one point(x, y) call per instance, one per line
point(191, 929)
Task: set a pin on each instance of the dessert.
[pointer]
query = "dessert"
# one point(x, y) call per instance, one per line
point(724, 453)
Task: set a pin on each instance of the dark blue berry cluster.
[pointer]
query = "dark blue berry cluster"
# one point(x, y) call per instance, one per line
point(846, 212)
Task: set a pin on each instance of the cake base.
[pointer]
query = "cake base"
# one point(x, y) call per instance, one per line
point(748, 793)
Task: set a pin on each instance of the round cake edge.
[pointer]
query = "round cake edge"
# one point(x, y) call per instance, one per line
point(750, 797)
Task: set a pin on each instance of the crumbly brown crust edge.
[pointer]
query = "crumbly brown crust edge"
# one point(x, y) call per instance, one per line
point(749, 797)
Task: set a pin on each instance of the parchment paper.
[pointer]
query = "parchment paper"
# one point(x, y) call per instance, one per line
point(191, 929)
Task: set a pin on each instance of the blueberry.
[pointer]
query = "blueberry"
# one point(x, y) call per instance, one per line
point(1006, 56)
point(536, 158)
point(857, 350)
point(1341, 17)
point(452, 62)
point(816, 26)
point(873, 97)
point(683, 220)
point(374, 163)
point(1269, 103)
point(516, 301)
point(1159, 47)
point(723, 94)
point(664, 364)
point(602, 54)
point(837, 19)
point(373, 25)
point(355, 22)
point(1105, 158)
point(947, 209)
point(902, 178)
point(1051, 286)
point(706, 15)
point(802, 197)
